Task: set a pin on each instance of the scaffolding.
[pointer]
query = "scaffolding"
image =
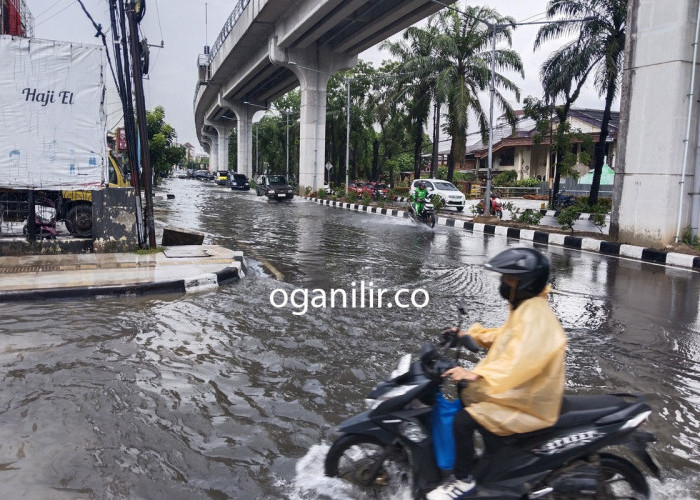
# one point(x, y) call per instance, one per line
point(16, 19)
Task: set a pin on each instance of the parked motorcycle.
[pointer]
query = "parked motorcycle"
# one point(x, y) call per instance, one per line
point(427, 215)
point(44, 220)
point(496, 206)
point(389, 446)
point(563, 200)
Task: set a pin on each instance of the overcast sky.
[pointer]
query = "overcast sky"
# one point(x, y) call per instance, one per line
point(182, 27)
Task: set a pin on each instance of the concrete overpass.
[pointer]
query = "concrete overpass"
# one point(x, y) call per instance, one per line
point(268, 47)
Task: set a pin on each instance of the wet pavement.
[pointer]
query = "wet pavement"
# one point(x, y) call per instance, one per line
point(222, 395)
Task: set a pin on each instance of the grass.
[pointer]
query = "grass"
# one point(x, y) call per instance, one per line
point(149, 251)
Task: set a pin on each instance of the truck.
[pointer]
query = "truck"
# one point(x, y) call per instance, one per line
point(53, 126)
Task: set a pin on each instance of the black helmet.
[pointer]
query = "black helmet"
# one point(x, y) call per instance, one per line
point(421, 185)
point(529, 266)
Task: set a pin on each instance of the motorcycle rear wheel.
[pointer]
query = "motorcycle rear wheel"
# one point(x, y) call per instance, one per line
point(352, 457)
point(618, 479)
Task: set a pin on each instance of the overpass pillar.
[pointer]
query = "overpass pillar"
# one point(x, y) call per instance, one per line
point(244, 118)
point(223, 135)
point(313, 67)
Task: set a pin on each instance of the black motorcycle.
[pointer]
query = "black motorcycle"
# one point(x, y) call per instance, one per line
point(563, 200)
point(426, 216)
point(390, 445)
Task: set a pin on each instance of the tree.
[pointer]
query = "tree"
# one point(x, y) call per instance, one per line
point(164, 153)
point(599, 47)
point(416, 51)
point(463, 70)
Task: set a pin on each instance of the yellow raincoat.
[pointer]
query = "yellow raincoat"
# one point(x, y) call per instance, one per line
point(523, 372)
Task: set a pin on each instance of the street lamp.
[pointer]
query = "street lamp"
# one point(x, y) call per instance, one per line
point(347, 138)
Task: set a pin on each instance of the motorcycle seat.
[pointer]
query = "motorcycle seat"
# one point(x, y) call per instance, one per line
point(577, 410)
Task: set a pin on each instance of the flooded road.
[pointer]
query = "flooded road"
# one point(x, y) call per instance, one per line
point(222, 395)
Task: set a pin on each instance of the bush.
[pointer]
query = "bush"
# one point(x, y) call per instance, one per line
point(322, 194)
point(529, 182)
point(352, 197)
point(381, 202)
point(606, 203)
point(599, 212)
point(567, 217)
point(506, 178)
point(437, 201)
point(307, 191)
point(401, 190)
point(512, 209)
point(366, 198)
point(689, 239)
point(531, 217)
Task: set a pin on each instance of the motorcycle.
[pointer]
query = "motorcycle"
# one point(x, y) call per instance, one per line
point(389, 446)
point(426, 216)
point(496, 207)
point(44, 220)
point(563, 200)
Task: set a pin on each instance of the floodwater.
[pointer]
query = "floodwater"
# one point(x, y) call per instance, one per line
point(222, 395)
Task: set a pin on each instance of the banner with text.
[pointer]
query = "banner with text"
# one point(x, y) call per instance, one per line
point(52, 120)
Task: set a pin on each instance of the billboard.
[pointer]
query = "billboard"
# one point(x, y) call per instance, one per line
point(52, 120)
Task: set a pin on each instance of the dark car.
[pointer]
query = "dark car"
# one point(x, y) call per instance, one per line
point(203, 175)
point(275, 187)
point(238, 181)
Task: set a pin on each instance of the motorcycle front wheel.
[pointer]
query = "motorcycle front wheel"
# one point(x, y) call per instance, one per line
point(430, 220)
point(353, 458)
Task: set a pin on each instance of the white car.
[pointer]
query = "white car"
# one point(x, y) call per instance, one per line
point(452, 196)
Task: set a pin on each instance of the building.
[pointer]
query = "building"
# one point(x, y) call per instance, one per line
point(16, 19)
point(515, 149)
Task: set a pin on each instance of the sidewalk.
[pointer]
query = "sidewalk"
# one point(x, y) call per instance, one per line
point(181, 269)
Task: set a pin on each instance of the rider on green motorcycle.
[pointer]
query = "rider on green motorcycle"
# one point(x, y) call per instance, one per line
point(419, 198)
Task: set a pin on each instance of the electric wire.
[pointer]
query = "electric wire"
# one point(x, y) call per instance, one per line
point(56, 14)
point(99, 33)
point(51, 7)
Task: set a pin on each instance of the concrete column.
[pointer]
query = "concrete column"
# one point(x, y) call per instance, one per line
point(211, 140)
point(244, 118)
point(653, 119)
point(313, 67)
point(224, 134)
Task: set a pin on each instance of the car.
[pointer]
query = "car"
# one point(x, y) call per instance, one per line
point(275, 187)
point(356, 187)
point(238, 181)
point(221, 177)
point(380, 190)
point(451, 196)
point(202, 175)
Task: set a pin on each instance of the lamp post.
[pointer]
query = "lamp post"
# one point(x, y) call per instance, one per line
point(287, 113)
point(347, 138)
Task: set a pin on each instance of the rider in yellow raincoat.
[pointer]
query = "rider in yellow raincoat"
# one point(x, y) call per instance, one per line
point(519, 385)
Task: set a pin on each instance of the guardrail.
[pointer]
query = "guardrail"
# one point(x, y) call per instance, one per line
point(228, 26)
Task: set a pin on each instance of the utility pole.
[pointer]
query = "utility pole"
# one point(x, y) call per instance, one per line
point(287, 113)
point(146, 172)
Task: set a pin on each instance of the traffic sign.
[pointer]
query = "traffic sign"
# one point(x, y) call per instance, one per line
point(328, 166)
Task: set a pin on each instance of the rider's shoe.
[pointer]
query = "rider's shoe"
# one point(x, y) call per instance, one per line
point(451, 490)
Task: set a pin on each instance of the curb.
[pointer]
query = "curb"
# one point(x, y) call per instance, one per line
point(201, 283)
point(542, 237)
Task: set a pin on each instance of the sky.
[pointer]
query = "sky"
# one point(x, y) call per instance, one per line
point(185, 26)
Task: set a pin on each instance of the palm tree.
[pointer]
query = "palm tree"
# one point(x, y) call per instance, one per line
point(463, 70)
point(416, 52)
point(599, 47)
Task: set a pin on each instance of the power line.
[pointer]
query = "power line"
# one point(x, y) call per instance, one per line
point(51, 7)
point(56, 14)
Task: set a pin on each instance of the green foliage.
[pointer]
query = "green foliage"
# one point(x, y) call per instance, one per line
point(531, 217)
point(603, 203)
point(689, 239)
point(352, 197)
point(527, 182)
point(307, 191)
point(599, 211)
point(401, 191)
point(567, 217)
point(512, 209)
point(381, 203)
point(161, 143)
point(322, 195)
point(366, 199)
point(437, 202)
point(506, 178)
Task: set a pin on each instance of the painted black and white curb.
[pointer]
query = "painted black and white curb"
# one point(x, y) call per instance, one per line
point(196, 284)
point(546, 213)
point(542, 237)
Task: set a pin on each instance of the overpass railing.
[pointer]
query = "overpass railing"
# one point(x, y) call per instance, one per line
point(228, 26)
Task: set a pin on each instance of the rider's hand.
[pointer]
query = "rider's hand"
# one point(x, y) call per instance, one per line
point(458, 373)
point(450, 336)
